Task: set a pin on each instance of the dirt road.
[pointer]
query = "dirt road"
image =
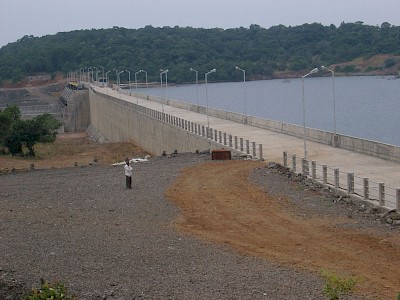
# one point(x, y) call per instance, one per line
point(220, 204)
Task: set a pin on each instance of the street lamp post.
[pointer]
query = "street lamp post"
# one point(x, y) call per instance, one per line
point(97, 76)
point(88, 74)
point(94, 68)
point(244, 93)
point(334, 97)
point(136, 78)
point(116, 74)
point(83, 73)
point(197, 85)
point(103, 74)
point(129, 74)
point(304, 110)
point(166, 83)
point(107, 77)
point(147, 85)
point(78, 75)
point(107, 80)
point(140, 71)
point(208, 118)
point(119, 79)
point(166, 77)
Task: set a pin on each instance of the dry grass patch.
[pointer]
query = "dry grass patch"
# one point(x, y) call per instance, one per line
point(73, 148)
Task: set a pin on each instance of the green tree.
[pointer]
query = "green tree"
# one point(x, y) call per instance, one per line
point(48, 126)
point(14, 143)
point(8, 117)
point(29, 132)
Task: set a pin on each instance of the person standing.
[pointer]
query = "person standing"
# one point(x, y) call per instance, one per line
point(128, 174)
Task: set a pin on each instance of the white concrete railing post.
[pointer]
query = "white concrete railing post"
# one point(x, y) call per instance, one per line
point(247, 147)
point(294, 162)
point(336, 177)
point(305, 170)
point(230, 141)
point(241, 144)
point(381, 189)
point(211, 134)
point(225, 138)
point(236, 142)
point(253, 144)
point(366, 188)
point(260, 152)
point(216, 135)
point(220, 136)
point(324, 174)
point(314, 170)
point(285, 159)
point(350, 183)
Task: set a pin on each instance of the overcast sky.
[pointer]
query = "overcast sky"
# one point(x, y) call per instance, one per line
point(43, 17)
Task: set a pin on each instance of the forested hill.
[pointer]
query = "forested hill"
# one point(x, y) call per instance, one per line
point(259, 51)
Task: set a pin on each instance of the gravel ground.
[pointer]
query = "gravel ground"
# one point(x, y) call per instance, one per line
point(82, 227)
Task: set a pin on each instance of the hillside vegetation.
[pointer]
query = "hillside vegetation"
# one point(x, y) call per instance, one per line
point(262, 52)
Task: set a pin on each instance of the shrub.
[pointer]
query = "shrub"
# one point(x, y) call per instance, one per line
point(336, 285)
point(54, 291)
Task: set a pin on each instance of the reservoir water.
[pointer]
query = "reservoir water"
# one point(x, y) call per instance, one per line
point(366, 107)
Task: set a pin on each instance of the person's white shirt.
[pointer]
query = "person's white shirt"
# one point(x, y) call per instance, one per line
point(128, 170)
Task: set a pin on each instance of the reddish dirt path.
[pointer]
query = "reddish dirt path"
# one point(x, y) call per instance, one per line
point(220, 204)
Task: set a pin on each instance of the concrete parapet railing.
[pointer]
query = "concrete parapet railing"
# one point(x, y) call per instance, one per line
point(349, 183)
point(368, 147)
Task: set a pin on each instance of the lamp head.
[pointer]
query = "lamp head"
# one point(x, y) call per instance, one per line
point(214, 70)
point(237, 68)
point(314, 71)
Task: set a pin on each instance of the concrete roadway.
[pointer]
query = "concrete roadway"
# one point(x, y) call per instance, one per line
point(274, 144)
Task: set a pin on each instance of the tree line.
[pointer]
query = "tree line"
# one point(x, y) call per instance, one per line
point(258, 50)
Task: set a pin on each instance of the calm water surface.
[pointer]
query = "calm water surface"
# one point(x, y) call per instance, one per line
point(366, 107)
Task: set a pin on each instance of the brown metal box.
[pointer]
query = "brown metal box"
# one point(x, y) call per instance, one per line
point(221, 154)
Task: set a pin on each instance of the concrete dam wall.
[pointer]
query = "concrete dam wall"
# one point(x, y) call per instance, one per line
point(118, 120)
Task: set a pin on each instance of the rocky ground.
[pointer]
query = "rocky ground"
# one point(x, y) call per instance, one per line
point(191, 228)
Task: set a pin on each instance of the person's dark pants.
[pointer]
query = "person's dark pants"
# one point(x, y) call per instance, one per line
point(128, 182)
